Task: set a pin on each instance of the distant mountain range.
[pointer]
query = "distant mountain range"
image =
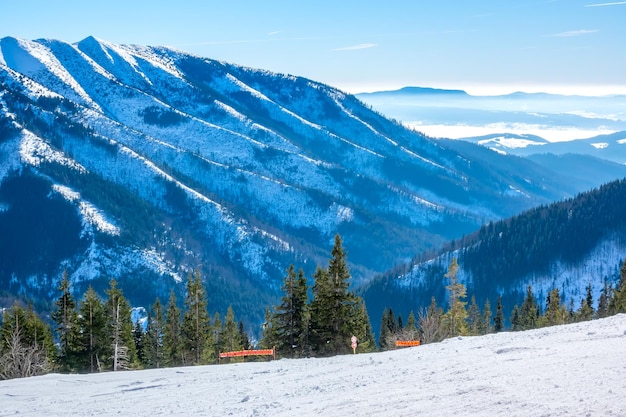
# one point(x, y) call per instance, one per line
point(513, 123)
point(144, 163)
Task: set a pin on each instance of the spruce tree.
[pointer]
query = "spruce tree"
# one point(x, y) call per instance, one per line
point(172, 343)
point(617, 303)
point(473, 318)
point(361, 326)
point(196, 321)
point(68, 331)
point(93, 329)
point(290, 319)
point(321, 330)
point(604, 300)
point(529, 311)
point(119, 328)
point(26, 346)
point(456, 316)
point(515, 319)
point(498, 321)
point(155, 329)
point(230, 338)
point(385, 334)
point(485, 322)
point(268, 336)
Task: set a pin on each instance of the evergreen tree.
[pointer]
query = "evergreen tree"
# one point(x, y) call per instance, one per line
point(119, 328)
point(216, 332)
point(230, 338)
point(321, 330)
point(473, 318)
point(556, 313)
point(290, 319)
point(94, 341)
point(196, 322)
point(268, 336)
point(155, 329)
point(498, 321)
point(26, 346)
point(586, 311)
point(604, 300)
point(617, 303)
point(361, 326)
point(139, 338)
point(68, 331)
point(485, 322)
point(385, 333)
point(515, 319)
point(172, 342)
point(456, 316)
point(245, 340)
point(529, 312)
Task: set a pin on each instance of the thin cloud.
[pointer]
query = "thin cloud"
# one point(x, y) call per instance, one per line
point(572, 33)
point(356, 47)
point(616, 3)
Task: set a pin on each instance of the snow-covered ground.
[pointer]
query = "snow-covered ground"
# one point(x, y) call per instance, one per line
point(574, 370)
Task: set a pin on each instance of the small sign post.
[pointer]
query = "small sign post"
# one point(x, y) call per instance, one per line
point(353, 339)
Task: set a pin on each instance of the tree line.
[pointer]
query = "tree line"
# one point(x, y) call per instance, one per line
point(434, 324)
point(99, 334)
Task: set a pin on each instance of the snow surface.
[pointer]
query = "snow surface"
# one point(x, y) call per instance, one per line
point(573, 370)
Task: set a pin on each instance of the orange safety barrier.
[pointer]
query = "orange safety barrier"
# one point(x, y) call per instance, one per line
point(244, 353)
point(407, 343)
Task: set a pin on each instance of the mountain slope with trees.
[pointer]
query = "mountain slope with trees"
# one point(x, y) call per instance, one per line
point(145, 163)
point(572, 245)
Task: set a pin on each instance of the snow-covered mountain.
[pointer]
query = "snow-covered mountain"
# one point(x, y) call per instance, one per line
point(572, 370)
point(142, 163)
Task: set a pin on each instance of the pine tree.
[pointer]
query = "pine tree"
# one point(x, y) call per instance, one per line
point(290, 318)
point(385, 333)
point(139, 339)
point(155, 329)
point(361, 326)
point(321, 331)
point(485, 322)
point(617, 303)
point(230, 338)
point(94, 341)
point(172, 343)
point(515, 319)
point(556, 313)
point(604, 300)
point(586, 311)
point(26, 346)
point(498, 321)
point(268, 336)
point(196, 322)
point(245, 340)
point(473, 318)
point(120, 328)
point(68, 331)
point(529, 312)
point(456, 316)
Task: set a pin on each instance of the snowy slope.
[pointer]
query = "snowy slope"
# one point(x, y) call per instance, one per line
point(573, 370)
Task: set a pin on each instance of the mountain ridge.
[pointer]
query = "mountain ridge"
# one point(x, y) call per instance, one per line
point(174, 162)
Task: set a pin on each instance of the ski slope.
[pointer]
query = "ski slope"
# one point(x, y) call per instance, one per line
point(573, 370)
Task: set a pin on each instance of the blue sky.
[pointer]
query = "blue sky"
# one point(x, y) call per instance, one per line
point(482, 46)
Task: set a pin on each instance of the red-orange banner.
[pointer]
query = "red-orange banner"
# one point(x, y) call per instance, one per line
point(406, 343)
point(256, 352)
